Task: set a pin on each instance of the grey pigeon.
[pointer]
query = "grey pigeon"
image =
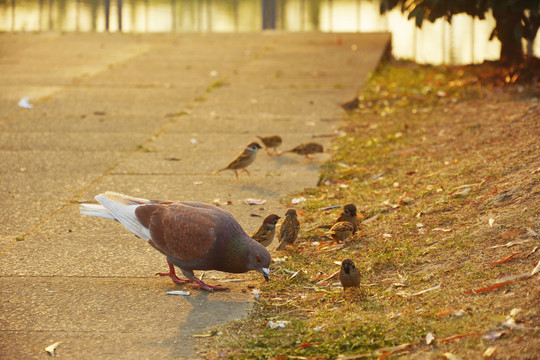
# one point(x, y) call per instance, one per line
point(192, 235)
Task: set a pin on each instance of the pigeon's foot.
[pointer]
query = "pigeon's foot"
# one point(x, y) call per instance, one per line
point(172, 275)
point(201, 285)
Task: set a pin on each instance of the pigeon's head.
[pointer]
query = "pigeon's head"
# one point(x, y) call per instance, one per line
point(253, 146)
point(350, 209)
point(271, 220)
point(347, 265)
point(260, 260)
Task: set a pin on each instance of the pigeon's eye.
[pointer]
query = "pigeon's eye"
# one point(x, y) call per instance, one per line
point(258, 259)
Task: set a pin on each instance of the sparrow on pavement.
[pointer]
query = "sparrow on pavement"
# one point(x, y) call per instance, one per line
point(307, 149)
point(271, 142)
point(349, 276)
point(289, 229)
point(265, 233)
point(192, 235)
point(244, 159)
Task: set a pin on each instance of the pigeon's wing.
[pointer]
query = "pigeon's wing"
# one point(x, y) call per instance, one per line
point(183, 232)
point(124, 210)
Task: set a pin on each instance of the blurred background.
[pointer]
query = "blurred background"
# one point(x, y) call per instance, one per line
point(464, 41)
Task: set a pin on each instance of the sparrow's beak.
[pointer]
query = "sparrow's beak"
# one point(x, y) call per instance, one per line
point(266, 273)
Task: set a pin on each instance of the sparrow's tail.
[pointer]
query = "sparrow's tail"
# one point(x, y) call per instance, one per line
point(215, 172)
point(281, 245)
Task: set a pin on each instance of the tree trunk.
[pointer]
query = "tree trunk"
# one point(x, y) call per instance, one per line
point(508, 30)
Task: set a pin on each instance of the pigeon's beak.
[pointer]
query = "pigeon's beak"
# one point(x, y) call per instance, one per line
point(266, 273)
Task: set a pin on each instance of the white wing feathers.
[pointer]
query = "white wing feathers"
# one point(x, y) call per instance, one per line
point(119, 207)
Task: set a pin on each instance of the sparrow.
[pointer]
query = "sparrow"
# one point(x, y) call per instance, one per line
point(192, 235)
point(244, 159)
point(349, 276)
point(271, 142)
point(307, 149)
point(289, 229)
point(348, 214)
point(265, 233)
point(341, 231)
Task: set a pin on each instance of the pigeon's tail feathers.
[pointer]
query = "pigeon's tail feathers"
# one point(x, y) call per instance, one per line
point(96, 210)
point(123, 208)
point(220, 170)
point(124, 199)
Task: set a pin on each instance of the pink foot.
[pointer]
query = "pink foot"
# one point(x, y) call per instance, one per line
point(201, 285)
point(172, 275)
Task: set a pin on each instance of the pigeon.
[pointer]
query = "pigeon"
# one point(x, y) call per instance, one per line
point(307, 149)
point(244, 159)
point(341, 231)
point(289, 229)
point(265, 233)
point(271, 142)
point(349, 276)
point(192, 235)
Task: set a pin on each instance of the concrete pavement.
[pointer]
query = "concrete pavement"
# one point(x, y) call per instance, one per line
point(150, 116)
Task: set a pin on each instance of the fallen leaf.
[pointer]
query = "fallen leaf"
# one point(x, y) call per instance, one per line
point(510, 234)
point(429, 338)
point(511, 243)
point(493, 335)
point(451, 356)
point(52, 348)
point(303, 346)
point(490, 351)
point(455, 337)
point(488, 288)
point(506, 259)
point(254, 202)
point(298, 200)
point(491, 222)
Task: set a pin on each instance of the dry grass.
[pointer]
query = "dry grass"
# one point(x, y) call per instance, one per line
point(434, 155)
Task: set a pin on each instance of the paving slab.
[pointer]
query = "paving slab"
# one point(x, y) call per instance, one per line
point(151, 116)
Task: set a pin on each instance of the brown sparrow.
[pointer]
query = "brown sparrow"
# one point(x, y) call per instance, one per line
point(341, 231)
point(289, 229)
point(271, 142)
point(349, 276)
point(348, 214)
point(265, 233)
point(307, 149)
point(244, 159)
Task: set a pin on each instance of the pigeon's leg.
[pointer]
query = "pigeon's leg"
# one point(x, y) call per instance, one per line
point(172, 274)
point(236, 173)
point(246, 171)
point(201, 285)
point(309, 157)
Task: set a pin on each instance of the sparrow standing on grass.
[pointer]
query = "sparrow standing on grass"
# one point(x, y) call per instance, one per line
point(265, 233)
point(349, 276)
point(289, 229)
point(341, 231)
point(245, 158)
point(271, 142)
point(348, 214)
point(307, 149)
